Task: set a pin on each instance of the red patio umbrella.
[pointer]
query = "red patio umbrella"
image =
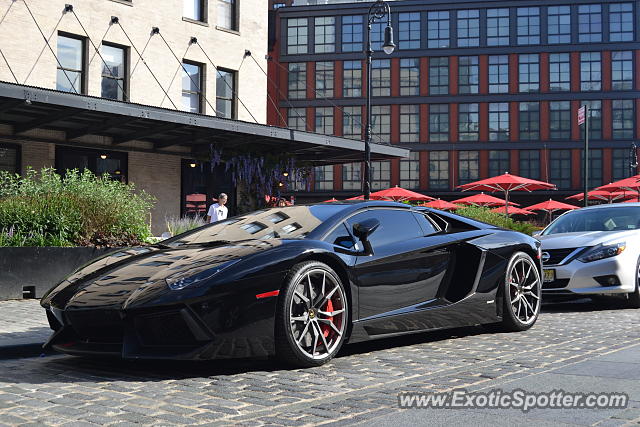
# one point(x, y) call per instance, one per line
point(333, 199)
point(627, 184)
point(513, 211)
point(360, 197)
point(399, 194)
point(443, 205)
point(550, 206)
point(482, 199)
point(607, 196)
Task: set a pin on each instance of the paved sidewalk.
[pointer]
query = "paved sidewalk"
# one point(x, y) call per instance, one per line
point(23, 328)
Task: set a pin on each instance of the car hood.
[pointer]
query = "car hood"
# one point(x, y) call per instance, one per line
point(582, 239)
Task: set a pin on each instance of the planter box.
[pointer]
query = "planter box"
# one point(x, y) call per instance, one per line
point(31, 271)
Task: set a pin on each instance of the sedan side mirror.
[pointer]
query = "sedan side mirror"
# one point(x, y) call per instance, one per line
point(363, 230)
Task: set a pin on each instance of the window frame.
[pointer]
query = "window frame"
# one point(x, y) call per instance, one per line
point(468, 157)
point(439, 135)
point(495, 22)
point(436, 179)
point(409, 77)
point(234, 91)
point(93, 155)
point(203, 9)
point(466, 32)
point(563, 65)
point(501, 65)
point(201, 83)
point(84, 78)
point(235, 15)
point(126, 59)
point(18, 149)
point(561, 128)
point(325, 46)
point(325, 74)
point(466, 124)
point(533, 31)
point(590, 71)
point(558, 37)
point(442, 75)
point(532, 68)
point(301, 37)
point(436, 18)
point(500, 111)
point(530, 163)
point(406, 36)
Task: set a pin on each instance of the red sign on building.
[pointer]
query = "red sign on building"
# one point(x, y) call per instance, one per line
point(581, 115)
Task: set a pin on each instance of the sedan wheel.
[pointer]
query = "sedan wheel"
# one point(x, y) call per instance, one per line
point(634, 297)
point(522, 293)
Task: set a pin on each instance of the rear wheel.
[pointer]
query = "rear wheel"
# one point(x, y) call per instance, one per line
point(522, 293)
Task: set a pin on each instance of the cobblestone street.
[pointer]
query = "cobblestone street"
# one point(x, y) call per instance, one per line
point(574, 346)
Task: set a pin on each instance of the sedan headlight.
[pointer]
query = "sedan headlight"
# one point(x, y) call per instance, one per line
point(187, 278)
point(603, 251)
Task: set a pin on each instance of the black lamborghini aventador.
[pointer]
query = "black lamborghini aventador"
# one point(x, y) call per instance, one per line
point(297, 282)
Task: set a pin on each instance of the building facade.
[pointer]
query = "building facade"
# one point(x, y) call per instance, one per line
point(473, 89)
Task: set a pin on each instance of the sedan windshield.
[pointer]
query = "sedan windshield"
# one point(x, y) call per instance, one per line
point(603, 219)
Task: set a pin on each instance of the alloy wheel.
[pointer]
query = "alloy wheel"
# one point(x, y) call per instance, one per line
point(524, 290)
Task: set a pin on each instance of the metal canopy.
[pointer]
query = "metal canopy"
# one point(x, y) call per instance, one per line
point(26, 108)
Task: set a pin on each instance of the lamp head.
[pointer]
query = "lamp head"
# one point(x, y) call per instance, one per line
point(388, 46)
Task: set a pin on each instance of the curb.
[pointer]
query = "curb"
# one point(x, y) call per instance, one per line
point(21, 351)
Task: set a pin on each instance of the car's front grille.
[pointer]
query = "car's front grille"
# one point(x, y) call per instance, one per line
point(555, 255)
point(97, 326)
point(556, 284)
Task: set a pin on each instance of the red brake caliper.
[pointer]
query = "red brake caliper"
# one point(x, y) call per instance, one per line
point(326, 328)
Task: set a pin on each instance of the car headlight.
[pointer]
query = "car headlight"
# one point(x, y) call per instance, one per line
point(603, 251)
point(187, 278)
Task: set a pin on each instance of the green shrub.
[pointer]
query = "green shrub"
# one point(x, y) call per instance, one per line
point(177, 226)
point(498, 219)
point(79, 209)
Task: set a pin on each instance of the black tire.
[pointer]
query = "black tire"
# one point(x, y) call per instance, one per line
point(633, 298)
point(512, 318)
point(286, 342)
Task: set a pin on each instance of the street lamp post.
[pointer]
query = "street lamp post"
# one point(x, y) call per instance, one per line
point(377, 11)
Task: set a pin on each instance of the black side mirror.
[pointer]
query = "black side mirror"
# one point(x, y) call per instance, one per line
point(363, 230)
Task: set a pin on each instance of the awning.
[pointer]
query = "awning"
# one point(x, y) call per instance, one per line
point(167, 131)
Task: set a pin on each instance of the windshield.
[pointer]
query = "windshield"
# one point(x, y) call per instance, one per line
point(292, 222)
point(604, 219)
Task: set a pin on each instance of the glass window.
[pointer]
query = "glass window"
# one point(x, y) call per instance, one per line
point(468, 74)
point(10, 158)
point(324, 120)
point(380, 175)
point(438, 29)
point(498, 162)
point(396, 226)
point(468, 166)
point(595, 167)
point(468, 28)
point(410, 171)
point(381, 124)
point(590, 71)
point(324, 79)
point(297, 86)
point(226, 94)
point(528, 25)
point(529, 72)
point(377, 35)
point(114, 72)
point(297, 35)
point(296, 119)
point(352, 31)
point(409, 123)
point(227, 12)
point(468, 122)
point(193, 9)
point(352, 79)
point(621, 22)
point(623, 119)
point(115, 163)
point(499, 121)
point(589, 23)
point(71, 69)
point(529, 164)
point(560, 168)
point(381, 77)
point(559, 72)
point(352, 122)
point(595, 119)
point(340, 236)
point(559, 24)
point(409, 30)
point(325, 34)
point(438, 122)
point(192, 87)
point(622, 70)
point(439, 170)
point(351, 176)
point(529, 121)
point(323, 178)
point(409, 77)
point(621, 163)
point(439, 76)
point(560, 120)
point(498, 73)
point(498, 27)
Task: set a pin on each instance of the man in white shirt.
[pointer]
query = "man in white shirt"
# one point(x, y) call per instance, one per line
point(218, 211)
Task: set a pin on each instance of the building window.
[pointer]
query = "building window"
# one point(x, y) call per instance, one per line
point(439, 170)
point(595, 167)
point(498, 162)
point(323, 178)
point(529, 164)
point(468, 122)
point(590, 71)
point(529, 72)
point(377, 35)
point(296, 119)
point(409, 30)
point(297, 35)
point(410, 171)
point(380, 175)
point(528, 25)
point(560, 120)
point(589, 23)
point(559, 72)
point(352, 122)
point(352, 79)
point(438, 122)
point(595, 119)
point(351, 176)
point(10, 158)
point(71, 69)
point(352, 31)
point(438, 29)
point(227, 14)
point(529, 121)
point(499, 121)
point(409, 123)
point(324, 120)
point(559, 24)
point(381, 77)
point(225, 94)
point(468, 28)
point(194, 9)
point(498, 27)
point(621, 22)
point(439, 76)
point(192, 95)
point(324, 79)
point(409, 77)
point(381, 123)
point(621, 164)
point(623, 119)
point(325, 34)
point(114, 73)
point(498, 73)
point(115, 163)
point(468, 166)
point(622, 70)
point(560, 168)
point(468, 74)
point(297, 85)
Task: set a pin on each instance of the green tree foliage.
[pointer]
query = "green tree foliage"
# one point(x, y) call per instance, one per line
point(498, 219)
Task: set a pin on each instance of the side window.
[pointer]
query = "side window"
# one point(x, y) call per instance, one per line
point(427, 227)
point(395, 225)
point(340, 237)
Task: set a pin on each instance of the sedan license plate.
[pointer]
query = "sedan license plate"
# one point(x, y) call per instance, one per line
point(549, 275)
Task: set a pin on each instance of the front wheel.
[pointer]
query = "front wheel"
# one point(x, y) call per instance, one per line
point(633, 300)
point(522, 293)
point(312, 317)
